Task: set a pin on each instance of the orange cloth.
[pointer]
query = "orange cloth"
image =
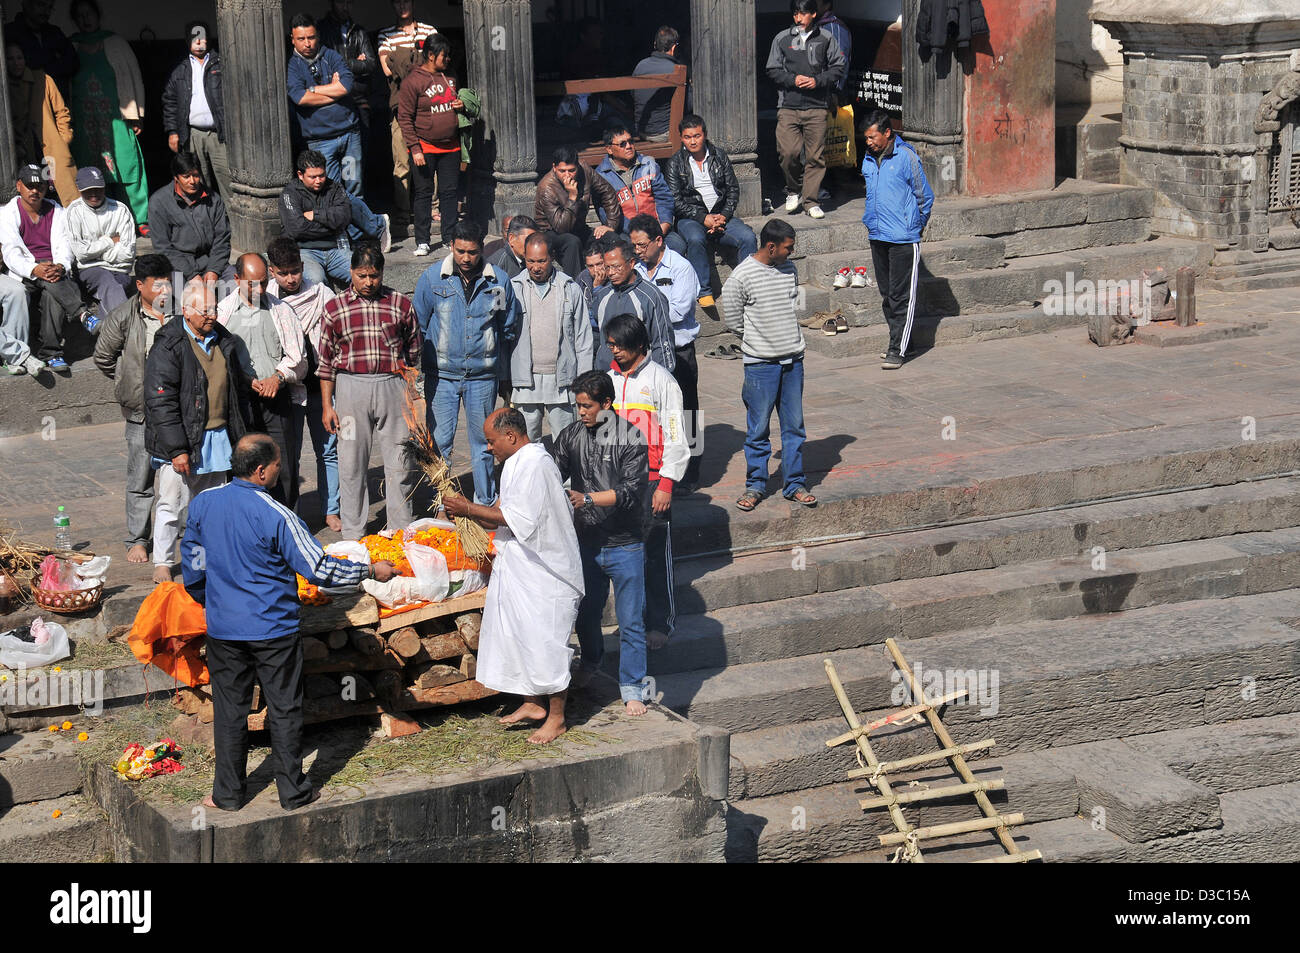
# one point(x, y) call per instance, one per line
point(168, 632)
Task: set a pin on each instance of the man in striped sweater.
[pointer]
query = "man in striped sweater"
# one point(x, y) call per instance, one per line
point(759, 301)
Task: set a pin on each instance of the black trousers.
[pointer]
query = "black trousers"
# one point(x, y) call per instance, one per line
point(567, 248)
point(274, 418)
point(277, 664)
point(896, 272)
point(687, 374)
point(446, 165)
point(60, 303)
point(660, 605)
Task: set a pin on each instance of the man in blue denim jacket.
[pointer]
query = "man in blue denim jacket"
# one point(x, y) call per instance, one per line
point(470, 319)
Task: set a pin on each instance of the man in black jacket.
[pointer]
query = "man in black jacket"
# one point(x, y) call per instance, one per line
point(608, 470)
point(123, 344)
point(45, 47)
point(654, 106)
point(197, 123)
point(348, 39)
point(706, 193)
point(315, 212)
point(188, 223)
point(196, 407)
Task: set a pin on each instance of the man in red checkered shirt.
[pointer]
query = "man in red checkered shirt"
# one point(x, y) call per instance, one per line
point(369, 337)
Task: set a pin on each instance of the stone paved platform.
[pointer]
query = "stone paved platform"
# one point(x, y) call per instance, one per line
point(1003, 397)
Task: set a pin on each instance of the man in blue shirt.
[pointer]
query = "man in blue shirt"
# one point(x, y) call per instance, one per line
point(239, 555)
point(320, 88)
point(470, 319)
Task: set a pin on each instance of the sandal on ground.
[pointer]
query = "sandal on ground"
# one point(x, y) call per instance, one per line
point(802, 497)
point(748, 500)
point(721, 352)
point(735, 350)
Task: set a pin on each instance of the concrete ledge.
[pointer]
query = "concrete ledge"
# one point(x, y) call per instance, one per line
point(29, 834)
point(35, 768)
point(588, 804)
point(1238, 755)
point(1259, 825)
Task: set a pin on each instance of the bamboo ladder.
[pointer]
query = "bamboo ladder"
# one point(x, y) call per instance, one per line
point(907, 838)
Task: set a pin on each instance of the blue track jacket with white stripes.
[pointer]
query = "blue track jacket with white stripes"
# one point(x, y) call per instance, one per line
point(899, 197)
point(238, 558)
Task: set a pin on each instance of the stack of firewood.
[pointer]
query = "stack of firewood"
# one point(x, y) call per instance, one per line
point(355, 663)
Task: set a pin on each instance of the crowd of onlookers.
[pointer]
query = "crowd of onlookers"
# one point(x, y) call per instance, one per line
point(304, 337)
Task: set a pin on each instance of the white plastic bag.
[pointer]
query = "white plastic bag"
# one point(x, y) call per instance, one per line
point(15, 653)
point(353, 552)
point(430, 569)
point(427, 523)
point(471, 581)
point(397, 592)
point(90, 574)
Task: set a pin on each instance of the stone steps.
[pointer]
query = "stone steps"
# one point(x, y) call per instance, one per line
point(1058, 682)
point(30, 834)
point(917, 608)
point(37, 766)
point(936, 489)
point(1279, 279)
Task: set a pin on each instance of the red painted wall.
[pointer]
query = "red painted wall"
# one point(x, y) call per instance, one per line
point(1011, 100)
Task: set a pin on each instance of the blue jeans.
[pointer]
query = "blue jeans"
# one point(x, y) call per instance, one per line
point(365, 223)
point(327, 456)
point(737, 237)
point(335, 262)
point(625, 567)
point(769, 386)
point(342, 158)
point(479, 397)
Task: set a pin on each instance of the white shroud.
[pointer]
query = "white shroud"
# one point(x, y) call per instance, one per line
point(536, 583)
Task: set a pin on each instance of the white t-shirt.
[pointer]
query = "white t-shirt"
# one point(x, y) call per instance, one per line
point(703, 181)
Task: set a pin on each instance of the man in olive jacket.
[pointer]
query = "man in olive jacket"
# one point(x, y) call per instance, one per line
point(124, 340)
point(196, 407)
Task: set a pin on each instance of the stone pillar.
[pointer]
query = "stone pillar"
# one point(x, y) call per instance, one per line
point(499, 53)
point(722, 87)
point(252, 44)
point(8, 159)
point(934, 108)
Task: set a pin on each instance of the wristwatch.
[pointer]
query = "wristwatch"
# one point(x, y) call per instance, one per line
point(586, 500)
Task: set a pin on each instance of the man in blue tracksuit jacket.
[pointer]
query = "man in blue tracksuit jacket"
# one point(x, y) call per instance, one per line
point(898, 206)
point(470, 319)
point(239, 555)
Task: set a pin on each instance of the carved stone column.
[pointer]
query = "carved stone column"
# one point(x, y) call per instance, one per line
point(8, 160)
point(499, 54)
point(934, 108)
point(722, 87)
point(252, 46)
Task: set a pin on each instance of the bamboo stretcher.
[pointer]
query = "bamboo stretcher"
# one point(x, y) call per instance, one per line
point(906, 837)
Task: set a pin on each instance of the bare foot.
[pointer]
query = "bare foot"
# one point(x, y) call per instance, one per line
point(162, 574)
point(137, 554)
point(334, 523)
point(654, 639)
point(208, 802)
point(635, 708)
point(528, 711)
point(551, 730)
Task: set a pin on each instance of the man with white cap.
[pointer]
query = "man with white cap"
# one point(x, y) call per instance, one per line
point(102, 232)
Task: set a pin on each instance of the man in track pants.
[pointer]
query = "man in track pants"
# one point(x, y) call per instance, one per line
point(896, 211)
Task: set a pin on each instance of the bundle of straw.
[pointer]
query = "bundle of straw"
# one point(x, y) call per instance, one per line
point(423, 454)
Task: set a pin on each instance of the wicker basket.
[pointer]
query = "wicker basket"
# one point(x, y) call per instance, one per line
point(68, 603)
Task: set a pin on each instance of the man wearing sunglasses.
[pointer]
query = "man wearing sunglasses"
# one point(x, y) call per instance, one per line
point(640, 185)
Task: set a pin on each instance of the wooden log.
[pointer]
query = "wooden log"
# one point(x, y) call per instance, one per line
point(354, 686)
point(388, 686)
point(367, 641)
point(344, 611)
point(320, 686)
point(468, 625)
point(337, 639)
point(468, 665)
point(396, 725)
point(350, 660)
point(258, 702)
point(433, 610)
point(466, 691)
point(437, 647)
point(437, 675)
point(405, 642)
point(313, 649)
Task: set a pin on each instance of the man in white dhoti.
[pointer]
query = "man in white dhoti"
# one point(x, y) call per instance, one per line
point(536, 583)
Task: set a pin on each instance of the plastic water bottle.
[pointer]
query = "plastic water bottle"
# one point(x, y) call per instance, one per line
point(62, 530)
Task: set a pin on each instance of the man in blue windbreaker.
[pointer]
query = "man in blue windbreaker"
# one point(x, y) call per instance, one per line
point(239, 555)
point(898, 206)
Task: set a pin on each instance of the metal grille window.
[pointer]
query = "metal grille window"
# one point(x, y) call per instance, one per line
point(1284, 164)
